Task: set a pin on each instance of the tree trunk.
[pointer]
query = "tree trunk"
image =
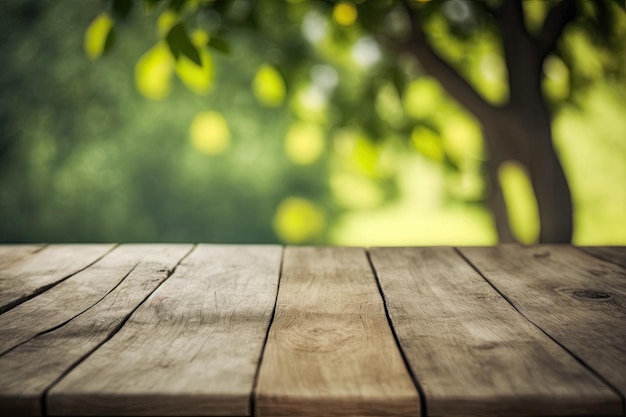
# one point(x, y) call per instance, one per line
point(495, 197)
point(525, 136)
point(552, 191)
point(521, 129)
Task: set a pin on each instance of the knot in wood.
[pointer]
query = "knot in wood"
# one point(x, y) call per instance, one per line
point(591, 295)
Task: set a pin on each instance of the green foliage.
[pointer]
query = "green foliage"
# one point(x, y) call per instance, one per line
point(219, 44)
point(122, 8)
point(309, 128)
point(180, 44)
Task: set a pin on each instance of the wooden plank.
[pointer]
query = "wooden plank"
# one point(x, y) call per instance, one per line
point(28, 370)
point(191, 349)
point(471, 352)
point(330, 349)
point(614, 254)
point(67, 299)
point(23, 280)
point(578, 300)
point(12, 253)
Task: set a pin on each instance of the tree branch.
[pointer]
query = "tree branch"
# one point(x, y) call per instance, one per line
point(522, 58)
point(559, 16)
point(447, 76)
point(510, 18)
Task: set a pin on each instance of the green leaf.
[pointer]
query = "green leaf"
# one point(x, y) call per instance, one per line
point(177, 5)
point(220, 45)
point(620, 3)
point(99, 36)
point(179, 43)
point(121, 8)
point(108, 44)
point(150, 5)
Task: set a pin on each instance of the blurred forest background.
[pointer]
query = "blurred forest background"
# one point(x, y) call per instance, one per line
point(298, 127)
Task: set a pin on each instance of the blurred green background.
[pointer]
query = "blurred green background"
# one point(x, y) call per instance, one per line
point(306, 131)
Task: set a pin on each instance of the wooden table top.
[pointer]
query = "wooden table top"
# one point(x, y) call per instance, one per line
point(241, 330)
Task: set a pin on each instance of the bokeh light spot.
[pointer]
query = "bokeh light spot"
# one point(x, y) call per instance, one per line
point(268, 86)
point(345, 13)
point(209, 133)
point(428, 143)
point(366, 52)
point(96, 35)
point(521, 205)
point(314, 27)
point(556, 83)
point(421, 97)
point(165, 22)
point(200, 38)
point(198, 79)
point(462, 138)
point(304, 143)
point(153, 72)
point(298, 220)
point(388, 105)
point(355, 192)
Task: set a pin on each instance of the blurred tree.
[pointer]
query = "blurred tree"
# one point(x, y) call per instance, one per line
point(520, 128)
point(515, 120)
point(302, 126)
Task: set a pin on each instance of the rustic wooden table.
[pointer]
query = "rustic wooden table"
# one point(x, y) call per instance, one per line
point(272, 331)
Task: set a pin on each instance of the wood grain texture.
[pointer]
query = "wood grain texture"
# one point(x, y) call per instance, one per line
point(67, 299)
point(191, 349)
point(10, 254)
point(23, 280)
point(330, 349)
point(471, 351)
point(614, 254)
point(578, 300)
point(28, 370)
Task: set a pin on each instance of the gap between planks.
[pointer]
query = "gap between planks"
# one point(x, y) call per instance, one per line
point(61, 339)
point(418, 386)
point(573, 354)
point(608, 265)
point(255, 382)
point(46, 278)
point(116, 329)
point(482, 336)
point(331, 350)
point(194, 334)
point(415, 380)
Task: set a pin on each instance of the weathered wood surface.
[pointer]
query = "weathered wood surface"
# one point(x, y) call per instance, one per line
point(472, 352)
point(37, 364)
point(191, 349)
point(510, 330)
point(69, 298)
point(20, 281)
point(12, 253)
point(575, 298)
point(615, 254)
point(330, 349)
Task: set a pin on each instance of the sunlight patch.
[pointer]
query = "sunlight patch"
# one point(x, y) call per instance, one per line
point(209, 133)
point(422, 97)
point(304, 143)
point(345, 13)
point(521, 205)
point(153, 72)
point(98, 34)
point(298, 220)
point(198, 79)
point(268, 86)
